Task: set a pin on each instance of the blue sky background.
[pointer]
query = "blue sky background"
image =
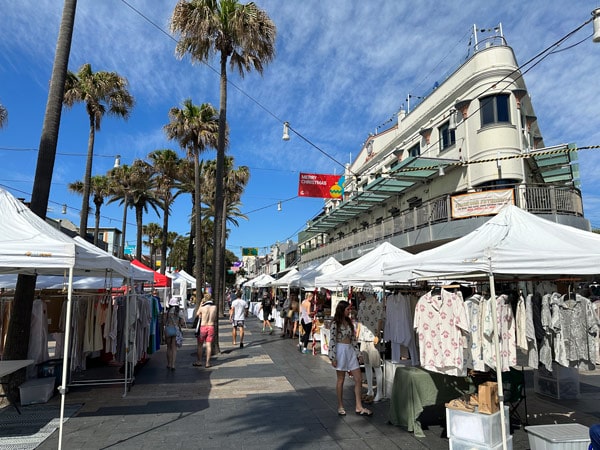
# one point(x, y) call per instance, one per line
point(343, 68)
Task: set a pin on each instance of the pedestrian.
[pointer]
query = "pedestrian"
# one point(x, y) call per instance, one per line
point(286, 318)
point(174, 320)
point(595, 437)
point(266, 306)
point(345, 357)
point(207, 316)
point(294, 308)
point(237, 314)
point(306, 318)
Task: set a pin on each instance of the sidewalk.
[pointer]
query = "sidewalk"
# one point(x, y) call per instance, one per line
point(264, 396)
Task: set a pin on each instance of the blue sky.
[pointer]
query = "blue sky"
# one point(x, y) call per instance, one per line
point(343, 68)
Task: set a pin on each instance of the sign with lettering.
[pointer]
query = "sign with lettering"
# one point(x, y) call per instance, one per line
point(483, 203)
point(321, 185)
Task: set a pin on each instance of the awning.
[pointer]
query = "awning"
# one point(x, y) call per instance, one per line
point(401, 177)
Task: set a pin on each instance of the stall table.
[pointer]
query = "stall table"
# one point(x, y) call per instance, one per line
point(415, 389)
point(11, 366)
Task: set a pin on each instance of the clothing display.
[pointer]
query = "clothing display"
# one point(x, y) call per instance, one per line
point(398, 328)
point(441, 321)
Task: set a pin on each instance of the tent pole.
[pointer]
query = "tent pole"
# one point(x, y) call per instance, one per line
point(498, 360)
point(63, 386)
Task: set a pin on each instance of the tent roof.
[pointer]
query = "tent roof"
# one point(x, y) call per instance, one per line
point(514, 242)
point(29, 245)
point(367, 268)
point(306, 277)
point(260, 281)
point(160, 280)
point(284, 280)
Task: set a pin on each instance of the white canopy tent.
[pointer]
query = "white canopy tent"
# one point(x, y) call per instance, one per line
point(262, 280)
point(284, 280)
point(305, 278)
point(29, 245)
point(367, 268)
point(514, 242)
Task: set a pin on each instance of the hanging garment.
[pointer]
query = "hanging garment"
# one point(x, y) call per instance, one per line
point(474, 339)
point(546, 321)
point(506, 334)
point(38, 335)
point(532, 348)
point(440, 321)
point(398, 327)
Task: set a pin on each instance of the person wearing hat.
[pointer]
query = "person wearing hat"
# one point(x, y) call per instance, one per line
point(174, 320)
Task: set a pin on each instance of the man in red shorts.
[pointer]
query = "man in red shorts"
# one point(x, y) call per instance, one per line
point(207, 316)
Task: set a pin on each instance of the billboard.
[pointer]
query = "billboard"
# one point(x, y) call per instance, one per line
point(249, 251)
point(321, 185)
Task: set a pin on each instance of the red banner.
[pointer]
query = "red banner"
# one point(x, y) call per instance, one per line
point(319, 185)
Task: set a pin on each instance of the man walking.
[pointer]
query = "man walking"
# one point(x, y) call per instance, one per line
point(266, 306)
point(237, 314)
point(207, 316)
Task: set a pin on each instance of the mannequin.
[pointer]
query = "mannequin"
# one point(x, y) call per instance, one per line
point(370, 321)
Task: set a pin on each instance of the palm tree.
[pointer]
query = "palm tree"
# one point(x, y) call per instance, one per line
point(166, 167)
point(142, 194)
point(3, 115)
point(242, 34)
point(17, 338)
point(196, 129)
point(187, 186)
point(99, 188)
point(154, 233)
point(120, 181)
point(101, 92)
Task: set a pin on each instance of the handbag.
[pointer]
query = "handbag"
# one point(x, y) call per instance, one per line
point(179, 337)
point(170, 330)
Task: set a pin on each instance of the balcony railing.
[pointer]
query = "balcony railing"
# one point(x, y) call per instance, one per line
point(534, 199)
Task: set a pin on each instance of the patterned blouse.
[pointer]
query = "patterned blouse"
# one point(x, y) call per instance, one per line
point(344, 332)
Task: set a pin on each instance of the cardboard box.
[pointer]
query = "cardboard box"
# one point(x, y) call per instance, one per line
point(558, 436)
point(38, 390)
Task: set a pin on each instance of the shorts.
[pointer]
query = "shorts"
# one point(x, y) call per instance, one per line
point(238, 324)
point(346, 358)
point(295, 316)
point(267, 313)
point(207, 334)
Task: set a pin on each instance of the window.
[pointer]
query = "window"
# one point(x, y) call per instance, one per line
point(415, 150)
point(494, 109)
point(447, 136)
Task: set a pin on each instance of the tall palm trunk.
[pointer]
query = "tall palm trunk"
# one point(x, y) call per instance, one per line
point(124, 227)
point(85, 203)
point(198, 223)
point(17, 340)
point(139, 216)
point(96, 225)
point(189, 264)
point(219, 238)
point(165, 236)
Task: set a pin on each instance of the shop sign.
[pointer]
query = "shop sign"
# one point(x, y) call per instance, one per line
point(483, 203)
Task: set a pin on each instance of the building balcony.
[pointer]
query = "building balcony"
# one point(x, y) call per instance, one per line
point(431, 224)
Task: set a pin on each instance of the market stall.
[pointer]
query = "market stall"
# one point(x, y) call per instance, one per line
point(512, 244)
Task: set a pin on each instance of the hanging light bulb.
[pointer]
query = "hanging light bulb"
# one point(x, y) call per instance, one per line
point(278, 206)
point(286, 131)
point(64, 209)
point(117, 161)
point(441, 171)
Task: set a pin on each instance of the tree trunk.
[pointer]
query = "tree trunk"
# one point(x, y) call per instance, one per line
point(219, 238)
point(198, 224)
point(165, 234)
point(85, 202)
point(124, 226)
point(17, 339)
point(189, 264)
point(96, 225)
point(139, 215)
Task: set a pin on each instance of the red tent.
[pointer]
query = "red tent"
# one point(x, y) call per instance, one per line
point(160, 280)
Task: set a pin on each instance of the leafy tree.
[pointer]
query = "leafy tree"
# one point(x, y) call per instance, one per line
point(196, 129)
point(154, 233)
point(244, 36)
point(102, 92)
point(166, 168)
point(100, 189)
point(120, 182)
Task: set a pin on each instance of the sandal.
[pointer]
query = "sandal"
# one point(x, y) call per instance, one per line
point(197, 364)
point(341, 412)
point(459, 405)
point(365, 412)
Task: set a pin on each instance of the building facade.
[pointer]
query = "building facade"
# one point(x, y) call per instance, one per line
point(452, 159)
